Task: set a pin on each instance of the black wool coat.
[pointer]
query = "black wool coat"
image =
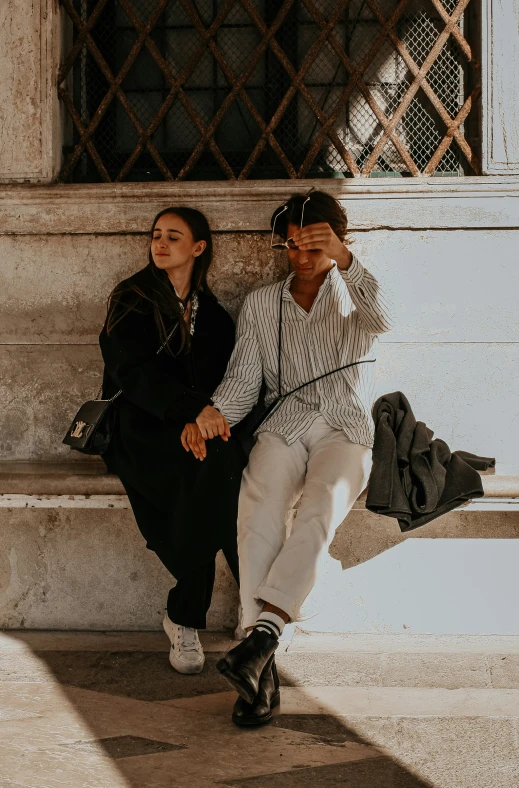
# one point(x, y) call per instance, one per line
point(161, 393)
point(415, 477)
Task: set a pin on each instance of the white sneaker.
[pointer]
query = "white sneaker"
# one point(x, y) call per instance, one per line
point(186, 653)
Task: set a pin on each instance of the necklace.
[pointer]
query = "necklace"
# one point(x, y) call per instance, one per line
point(194, 309)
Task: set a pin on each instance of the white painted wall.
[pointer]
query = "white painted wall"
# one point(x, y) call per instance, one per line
point(423, 586)
point(454, 349)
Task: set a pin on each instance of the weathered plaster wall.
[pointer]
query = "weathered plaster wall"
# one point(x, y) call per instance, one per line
point(446, 286)
point(55, 286)
point(87, 568)
point(20, 86)
point(453, 350)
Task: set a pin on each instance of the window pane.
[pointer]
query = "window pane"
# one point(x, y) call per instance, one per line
point(354, 110)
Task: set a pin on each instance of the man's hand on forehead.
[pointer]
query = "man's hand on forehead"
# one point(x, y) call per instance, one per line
point(320, 236)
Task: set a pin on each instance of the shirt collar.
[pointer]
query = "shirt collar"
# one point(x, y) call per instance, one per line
point(330, 277)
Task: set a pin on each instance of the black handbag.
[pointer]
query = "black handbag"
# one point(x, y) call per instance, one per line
point(93, 425)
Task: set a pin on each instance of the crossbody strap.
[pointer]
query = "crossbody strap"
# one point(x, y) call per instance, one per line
point(280, 331)
point(175, 327)
point(281, 397)
point(320, 377)
point(277, 402)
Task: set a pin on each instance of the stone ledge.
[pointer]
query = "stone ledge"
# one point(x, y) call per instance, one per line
point(58, 478)
point(405, 203)
point(91, 478)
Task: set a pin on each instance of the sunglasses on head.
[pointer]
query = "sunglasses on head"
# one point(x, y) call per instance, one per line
point(289, 243)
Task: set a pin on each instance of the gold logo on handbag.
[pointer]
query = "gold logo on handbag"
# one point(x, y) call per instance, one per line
point(77, 432)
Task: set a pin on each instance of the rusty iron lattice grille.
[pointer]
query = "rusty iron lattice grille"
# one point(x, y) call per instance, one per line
point(238, 89)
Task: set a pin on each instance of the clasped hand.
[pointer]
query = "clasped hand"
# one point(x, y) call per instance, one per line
point(210, 423)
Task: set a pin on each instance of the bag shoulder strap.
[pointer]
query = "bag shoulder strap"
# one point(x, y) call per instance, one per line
point(320, 377)
point(280, 331)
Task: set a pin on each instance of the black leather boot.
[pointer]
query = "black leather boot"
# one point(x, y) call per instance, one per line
point(243, 665)
point(248, 715)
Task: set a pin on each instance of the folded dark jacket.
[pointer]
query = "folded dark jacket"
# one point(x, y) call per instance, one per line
point(415, 477)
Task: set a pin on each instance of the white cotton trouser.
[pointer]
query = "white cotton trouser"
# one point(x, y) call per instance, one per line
point(327, 472)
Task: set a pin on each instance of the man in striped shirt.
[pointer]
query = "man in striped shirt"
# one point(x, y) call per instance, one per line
point(315, 446)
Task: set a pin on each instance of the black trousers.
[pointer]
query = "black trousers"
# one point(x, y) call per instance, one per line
point(190, 599)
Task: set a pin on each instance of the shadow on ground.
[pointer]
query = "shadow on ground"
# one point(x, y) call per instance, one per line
point(145, 676)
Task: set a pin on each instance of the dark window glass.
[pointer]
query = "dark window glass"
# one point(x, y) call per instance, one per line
point(152, 124)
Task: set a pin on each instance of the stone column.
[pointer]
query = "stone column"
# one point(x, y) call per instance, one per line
point(30, 137)
point(500, 63)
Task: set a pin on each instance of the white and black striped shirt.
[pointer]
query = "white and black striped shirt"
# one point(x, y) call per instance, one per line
point(347, 315)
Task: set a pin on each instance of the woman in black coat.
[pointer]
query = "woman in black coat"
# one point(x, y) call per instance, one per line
point(184, 494)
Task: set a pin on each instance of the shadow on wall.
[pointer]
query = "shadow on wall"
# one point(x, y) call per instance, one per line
point(125, 719)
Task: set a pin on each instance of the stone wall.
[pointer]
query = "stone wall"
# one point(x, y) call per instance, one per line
point(446, 255)
point(30, 121)
point(446, 251)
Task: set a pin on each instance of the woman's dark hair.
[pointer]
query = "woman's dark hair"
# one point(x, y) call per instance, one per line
point(321, 207)
point(130, 295)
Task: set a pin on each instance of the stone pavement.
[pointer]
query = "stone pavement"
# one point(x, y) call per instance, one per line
point(89, 710)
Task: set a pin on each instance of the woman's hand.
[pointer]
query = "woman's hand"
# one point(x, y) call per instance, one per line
point(212, 423)
point(192, 440)
point(321, 236)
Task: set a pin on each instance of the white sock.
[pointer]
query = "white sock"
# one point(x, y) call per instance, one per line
point(270, 622)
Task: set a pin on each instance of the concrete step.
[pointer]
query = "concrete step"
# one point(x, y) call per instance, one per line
point(359, 664)
point(410, 661)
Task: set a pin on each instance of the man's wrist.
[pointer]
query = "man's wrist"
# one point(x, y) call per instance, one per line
point(344, 259)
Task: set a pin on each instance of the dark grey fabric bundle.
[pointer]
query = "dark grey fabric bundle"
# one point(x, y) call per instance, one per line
point(415, 477)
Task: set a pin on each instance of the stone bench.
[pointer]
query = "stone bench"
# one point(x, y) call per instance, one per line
point(72, 556)
point(90, 477)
